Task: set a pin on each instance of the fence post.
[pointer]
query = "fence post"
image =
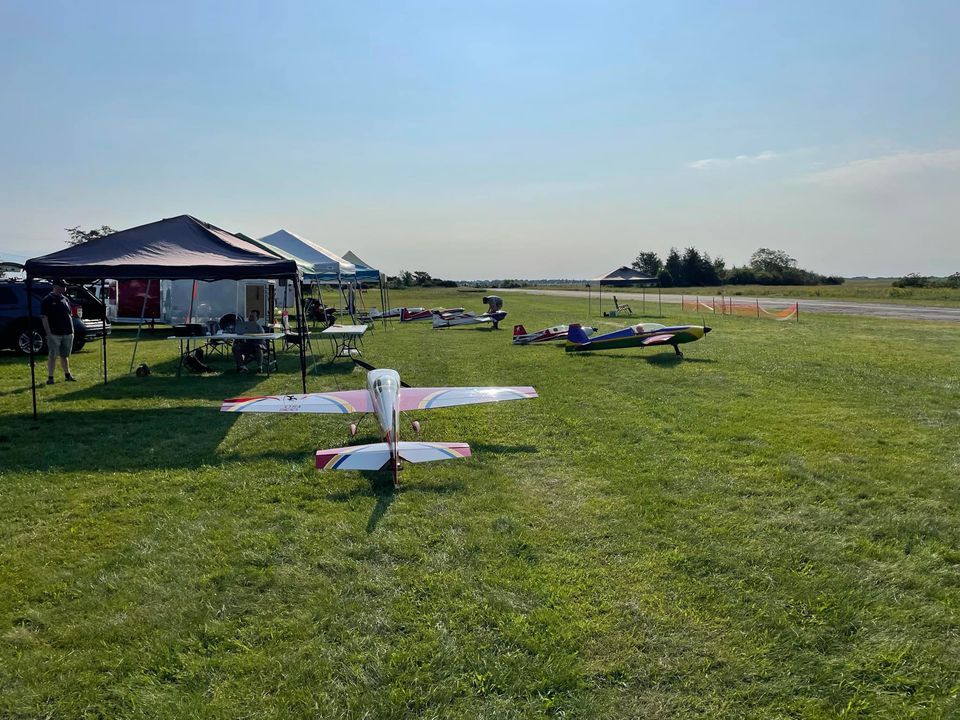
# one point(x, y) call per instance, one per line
point(758, 308)
point(798, 311)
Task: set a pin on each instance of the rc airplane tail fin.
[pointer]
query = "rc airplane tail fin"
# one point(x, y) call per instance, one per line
point(519, 330)
point(576, 335)
point(377, 455)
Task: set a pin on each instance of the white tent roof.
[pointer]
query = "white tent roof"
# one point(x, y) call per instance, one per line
point(326, 264)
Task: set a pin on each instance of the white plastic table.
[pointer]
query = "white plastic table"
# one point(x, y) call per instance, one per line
point(344, 339)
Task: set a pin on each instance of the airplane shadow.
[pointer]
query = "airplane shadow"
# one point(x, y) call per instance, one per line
point(665, 359)
point(379, 485)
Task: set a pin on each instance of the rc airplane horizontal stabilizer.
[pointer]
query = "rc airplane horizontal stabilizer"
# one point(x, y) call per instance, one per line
point(386, 398)
point(377, 455)
point(557, 332)
point(642, 335)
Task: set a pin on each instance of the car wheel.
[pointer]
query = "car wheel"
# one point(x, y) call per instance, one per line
point(78, 345)
point(24, 336)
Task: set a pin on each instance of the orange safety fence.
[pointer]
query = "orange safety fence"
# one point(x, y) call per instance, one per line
point(737, 306)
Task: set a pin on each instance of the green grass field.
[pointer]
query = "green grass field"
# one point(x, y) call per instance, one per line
point(769, 529)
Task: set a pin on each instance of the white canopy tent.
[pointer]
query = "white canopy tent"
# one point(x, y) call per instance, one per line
point(327, 265)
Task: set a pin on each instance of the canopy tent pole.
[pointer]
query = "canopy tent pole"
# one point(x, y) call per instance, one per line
point(589, 307)
point(33, 376)
point(383, 302)
point(600, 302)
point(103, 289)
point(143, 312)
point(193, 296)
point(301, 327)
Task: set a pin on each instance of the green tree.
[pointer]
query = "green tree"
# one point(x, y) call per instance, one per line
point(649, 263)
point(674, 266)
point(771, 261)
point(78, 236)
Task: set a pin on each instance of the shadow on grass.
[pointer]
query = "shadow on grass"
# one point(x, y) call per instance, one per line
point(116, 440)
point(655, 359)
point(379, 485)
point(504, 449)
point(208, 386)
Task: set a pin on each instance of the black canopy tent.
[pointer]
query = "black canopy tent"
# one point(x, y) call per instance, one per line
point(179, 248)
point(621, 277)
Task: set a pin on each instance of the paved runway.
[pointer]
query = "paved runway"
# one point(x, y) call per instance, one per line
point(840, 307)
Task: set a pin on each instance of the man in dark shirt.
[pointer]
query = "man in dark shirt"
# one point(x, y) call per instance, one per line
point(55, 312)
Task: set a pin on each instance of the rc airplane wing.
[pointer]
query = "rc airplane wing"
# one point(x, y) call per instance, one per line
point(331, 403)
point(441, 397)
point(385, 397)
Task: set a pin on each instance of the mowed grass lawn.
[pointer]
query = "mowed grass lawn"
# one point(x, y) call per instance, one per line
point(769, 528)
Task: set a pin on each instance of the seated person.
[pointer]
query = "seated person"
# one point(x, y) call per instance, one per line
point(246, 350)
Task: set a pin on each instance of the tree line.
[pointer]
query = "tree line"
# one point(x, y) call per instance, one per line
point(912, 280)
point(418, 278)
point(693, 268)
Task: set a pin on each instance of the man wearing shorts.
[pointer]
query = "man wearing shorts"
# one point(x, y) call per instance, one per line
point(55, 312)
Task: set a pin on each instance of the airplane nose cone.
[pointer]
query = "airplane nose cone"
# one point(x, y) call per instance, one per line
point(706, 329)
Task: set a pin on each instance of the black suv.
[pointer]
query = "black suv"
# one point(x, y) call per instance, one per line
point(15, 321)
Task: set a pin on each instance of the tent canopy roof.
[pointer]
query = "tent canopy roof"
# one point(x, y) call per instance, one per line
point(179, 248)
point(364, 270)
point(327, 265)
point(306, 268)
point(624, 275)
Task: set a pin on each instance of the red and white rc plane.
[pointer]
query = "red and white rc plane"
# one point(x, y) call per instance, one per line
point(385, 397)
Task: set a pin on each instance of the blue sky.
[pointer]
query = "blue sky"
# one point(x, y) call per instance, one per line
point(493, 139)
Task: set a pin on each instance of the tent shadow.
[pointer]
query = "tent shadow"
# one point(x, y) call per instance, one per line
point(116, 440)
point(213, 387)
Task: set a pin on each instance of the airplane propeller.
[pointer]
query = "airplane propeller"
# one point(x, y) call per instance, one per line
point(368, 366)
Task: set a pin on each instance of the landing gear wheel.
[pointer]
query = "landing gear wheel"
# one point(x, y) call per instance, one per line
point(353, 429)
point(416, 426)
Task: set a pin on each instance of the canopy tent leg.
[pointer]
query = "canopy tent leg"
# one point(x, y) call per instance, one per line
point(143, 312)
point(33, 374)
point(103, 289)
point(383, 302)
point(301, 326)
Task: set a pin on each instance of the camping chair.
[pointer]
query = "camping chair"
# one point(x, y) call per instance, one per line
point(221, 347)
point(291, 338)
point(618, 309)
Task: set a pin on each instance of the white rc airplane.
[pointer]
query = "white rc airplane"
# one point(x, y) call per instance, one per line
point(385, 397)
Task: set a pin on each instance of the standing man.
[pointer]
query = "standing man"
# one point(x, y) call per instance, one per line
point(55, 312)
point(494, 305)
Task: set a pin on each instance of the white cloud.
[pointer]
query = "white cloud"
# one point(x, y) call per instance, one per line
point(738, 160)
point(881, 173)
